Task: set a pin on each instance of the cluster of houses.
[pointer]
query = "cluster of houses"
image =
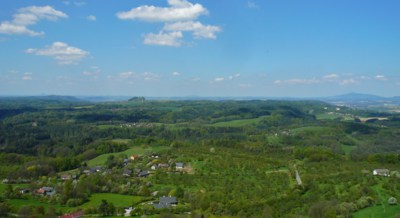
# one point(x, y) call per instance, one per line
point(128, 172)
point(45, 191)
point(136, 125)
point(153, 166)
point(93, 170)
point(165, 202)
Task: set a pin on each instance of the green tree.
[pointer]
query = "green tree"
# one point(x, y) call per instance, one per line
point(25, 211)
point(103, 208)
point(4, 209)
point(9, 192)
point(51, 212)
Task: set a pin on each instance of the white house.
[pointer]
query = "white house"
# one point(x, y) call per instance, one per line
point(381, 172)
point(128, 211)
point(179, 166)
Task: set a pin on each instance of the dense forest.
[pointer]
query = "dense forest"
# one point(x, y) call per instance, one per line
point(259, 158)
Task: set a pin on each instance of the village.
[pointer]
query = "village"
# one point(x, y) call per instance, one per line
point(135, 168)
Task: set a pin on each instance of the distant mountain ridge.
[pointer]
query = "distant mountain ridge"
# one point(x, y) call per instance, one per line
point(359, 96)
point(44, 97)
point(359, 100)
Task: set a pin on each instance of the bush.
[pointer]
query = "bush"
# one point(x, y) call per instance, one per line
point(73, 202)
point(4, 209)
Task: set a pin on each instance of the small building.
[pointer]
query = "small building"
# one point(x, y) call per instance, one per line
point(144, 174)
point(179, 166)
point(392, 201)
point(127, 172)
point(97, 168)
point(88, 172)
point(165, 202)
point(154, 167)
point(134, 157)
point(381, 172)
point(65, 177)
point(24, 191)
point(45, 191)
point(126, 161)
point(163, 165)
point(128, 211)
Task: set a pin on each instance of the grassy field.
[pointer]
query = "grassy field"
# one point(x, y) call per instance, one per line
point(378, 211)
point(4, 186)
point(94, 201)
point(116, 199)
point(308, 129)
point(347, 149)
point(328, 116)
point(101, 160)
point(33, 202)
point(382, 209)
point(238, 123)
point(121, 141)
point(107, 126)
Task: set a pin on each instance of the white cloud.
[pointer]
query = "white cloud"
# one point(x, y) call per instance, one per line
point(176, 74)
point(12, 29)
point(252, 5)
point(91, 18)
point(150, 76)
point(349, 81)
point(195, 79)
point(199, 30)
point(76, 3)
point(62, 52)
point(246, 85)
point(180, 16)
point(88, 73)
point(179, 10)
point(231, 77)
point(381, 77)
point(29, 16)
point(27, 76)
point(138, 76)
point(93, 72)
point(331, 76)
point(164, 39)
point(219, 79)
point(297, 81)
point(79, 3)
point(125, 75)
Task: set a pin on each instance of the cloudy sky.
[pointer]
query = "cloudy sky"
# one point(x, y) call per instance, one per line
point(296, 48)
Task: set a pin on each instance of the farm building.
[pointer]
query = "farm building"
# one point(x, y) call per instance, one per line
point(381, 172)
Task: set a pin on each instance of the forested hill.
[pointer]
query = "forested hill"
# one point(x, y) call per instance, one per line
point(32, 125)
point(39, 101)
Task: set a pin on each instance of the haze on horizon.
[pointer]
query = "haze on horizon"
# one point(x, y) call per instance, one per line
point(163, 48)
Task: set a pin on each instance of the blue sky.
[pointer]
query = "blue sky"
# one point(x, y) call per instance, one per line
point(162, 48)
